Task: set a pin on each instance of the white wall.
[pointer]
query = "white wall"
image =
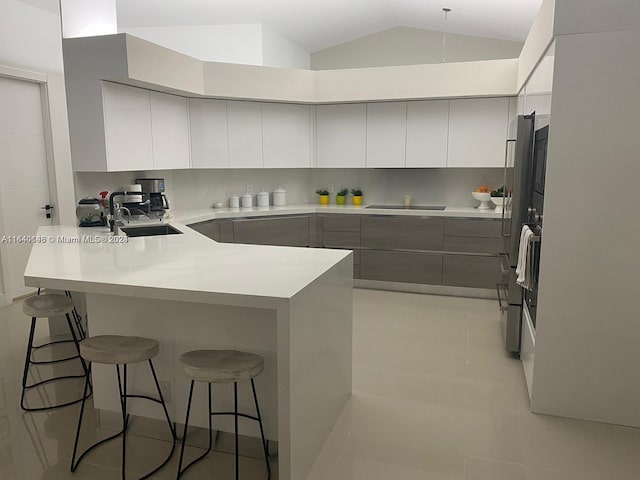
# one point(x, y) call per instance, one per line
point(250, 44)
point(30, 39)
point(212, 43)
point(197, 189)
point(588, 328)
point(411, 46)
point(277, 51)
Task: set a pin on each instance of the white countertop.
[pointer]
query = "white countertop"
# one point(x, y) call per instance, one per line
point(188, 267)
point(201, 215)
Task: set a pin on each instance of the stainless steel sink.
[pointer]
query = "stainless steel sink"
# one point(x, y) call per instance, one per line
point(150, 230)
point(411, 207)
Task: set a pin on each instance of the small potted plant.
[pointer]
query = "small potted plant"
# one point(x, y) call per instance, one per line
point(357, 196)
point(341, 196)
point(324, 196)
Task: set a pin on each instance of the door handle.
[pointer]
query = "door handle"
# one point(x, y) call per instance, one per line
point(47, 208)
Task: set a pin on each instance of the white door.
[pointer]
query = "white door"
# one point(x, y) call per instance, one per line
point(24, 181)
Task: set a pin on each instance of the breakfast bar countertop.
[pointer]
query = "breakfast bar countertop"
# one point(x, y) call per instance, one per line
point(188, 267)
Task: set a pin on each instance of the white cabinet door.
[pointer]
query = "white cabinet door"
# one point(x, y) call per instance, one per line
point(386, 134)
point(478, 132)
point(127, 124)
point(286, 136)
point(341, 136)
point(170, 129)
point(208, 125)
point(427, 132)
point(244, 120)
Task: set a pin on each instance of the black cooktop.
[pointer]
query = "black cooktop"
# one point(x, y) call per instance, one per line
point(411, 207)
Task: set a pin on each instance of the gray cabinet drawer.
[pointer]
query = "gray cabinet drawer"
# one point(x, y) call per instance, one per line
point(290, 231)
point(471, 271)
point(472, 227)
point(341, 239)
point(473, 244)
point(209, 229)
point(341, 223)
point(405, 233)
point(401, 267)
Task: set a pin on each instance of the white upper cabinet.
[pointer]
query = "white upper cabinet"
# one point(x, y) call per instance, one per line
point(170, 131)
point(427, 133)
point(209, 139)
point(286, 135)
point(386, 134)
point(127, 125)
point(244, 120)
point(478, 132)
point(341, 136)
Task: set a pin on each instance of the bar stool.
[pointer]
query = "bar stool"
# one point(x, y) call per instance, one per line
point(222, 366)
point(45, 306)
point(121, 350)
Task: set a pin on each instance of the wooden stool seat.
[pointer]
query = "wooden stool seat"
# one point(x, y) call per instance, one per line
point(221, 366)
point(118, 349)
point(48, 305)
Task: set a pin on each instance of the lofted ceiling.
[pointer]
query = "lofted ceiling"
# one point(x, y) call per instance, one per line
point(318, 24)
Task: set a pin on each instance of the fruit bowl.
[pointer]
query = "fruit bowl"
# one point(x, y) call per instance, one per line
point(501, 203)
point(484, 198)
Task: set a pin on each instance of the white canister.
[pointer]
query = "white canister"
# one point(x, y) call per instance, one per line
point(279, 197)
point(262, 199)
point(246, 200)
point(234, 201)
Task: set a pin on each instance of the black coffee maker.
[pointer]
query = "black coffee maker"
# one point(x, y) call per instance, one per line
point(153, 190)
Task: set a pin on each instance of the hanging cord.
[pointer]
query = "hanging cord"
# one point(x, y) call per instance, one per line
point(444, 35)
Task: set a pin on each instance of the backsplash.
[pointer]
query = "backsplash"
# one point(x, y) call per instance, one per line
point(195, 189)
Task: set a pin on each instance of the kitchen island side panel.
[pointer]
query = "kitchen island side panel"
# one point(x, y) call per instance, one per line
point(320, 362)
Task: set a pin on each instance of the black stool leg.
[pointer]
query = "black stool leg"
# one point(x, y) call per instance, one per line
point(125, 418)
point(265, 445)
point(235, 421)
point(164, 406)
point(184, 436)
point(74, 464)
point(27, 361)
point(77, 344)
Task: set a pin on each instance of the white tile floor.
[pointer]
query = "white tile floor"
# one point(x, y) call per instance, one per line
point(434, 397)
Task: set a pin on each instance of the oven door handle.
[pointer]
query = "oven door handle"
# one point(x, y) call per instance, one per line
point(504, 260)
point(503, 307)
point(506, 198)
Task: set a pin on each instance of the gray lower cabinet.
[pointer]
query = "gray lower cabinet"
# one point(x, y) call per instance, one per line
point(474, 244)
point(402, 233)
point(471, 271)
point(473, 227)
point(458, 245)
point(285, 231)
point(340, 239)
point(218, 230)
point(209, 229)
point(341, 223)
point(408, 267)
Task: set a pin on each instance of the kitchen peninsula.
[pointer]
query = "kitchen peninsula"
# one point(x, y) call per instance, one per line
point(190, 292)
